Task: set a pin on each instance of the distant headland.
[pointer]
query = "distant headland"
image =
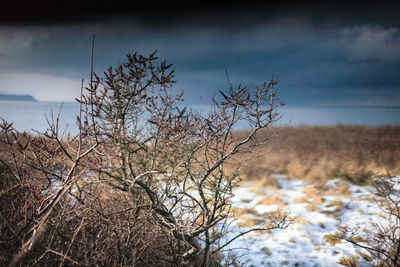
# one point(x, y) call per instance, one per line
point(8, 97)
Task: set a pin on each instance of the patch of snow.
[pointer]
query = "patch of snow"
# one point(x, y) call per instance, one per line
point(304, 243)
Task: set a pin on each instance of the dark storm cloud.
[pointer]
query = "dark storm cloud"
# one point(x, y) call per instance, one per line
point(207, 12)
point(324, 53)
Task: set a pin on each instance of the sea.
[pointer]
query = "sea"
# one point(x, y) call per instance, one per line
point(36, 116)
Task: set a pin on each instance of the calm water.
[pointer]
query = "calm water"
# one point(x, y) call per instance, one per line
point(31, 115)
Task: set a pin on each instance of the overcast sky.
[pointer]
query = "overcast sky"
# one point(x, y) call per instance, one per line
point(325, 53)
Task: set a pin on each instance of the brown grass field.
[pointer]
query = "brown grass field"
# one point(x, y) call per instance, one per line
point(318, 153)
point(355, 153)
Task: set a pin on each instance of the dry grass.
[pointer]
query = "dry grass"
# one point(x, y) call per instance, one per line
point(358, 239)
point(337, 205)
point(271, 200)
point(349, 261)
point(267, 251)
point(311, 207)
point(365, 256)
point(355, 153)
point(341, 189)
point(312, 197)
point(332, 239)
point(250, 221)
point(239, 212)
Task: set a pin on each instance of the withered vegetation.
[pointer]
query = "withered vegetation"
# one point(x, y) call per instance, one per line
point(318, 153)
point(143, 183)
point(384, 243)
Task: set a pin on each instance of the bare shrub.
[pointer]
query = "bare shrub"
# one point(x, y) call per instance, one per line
point(146, 181)
point(38, 173)
point(384, 242)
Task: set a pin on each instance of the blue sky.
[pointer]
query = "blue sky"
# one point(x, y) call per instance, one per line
point(323, 57)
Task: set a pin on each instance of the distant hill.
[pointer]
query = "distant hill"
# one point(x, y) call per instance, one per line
point(17, 97)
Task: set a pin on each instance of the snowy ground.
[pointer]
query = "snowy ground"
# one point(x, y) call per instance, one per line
point(307, 242)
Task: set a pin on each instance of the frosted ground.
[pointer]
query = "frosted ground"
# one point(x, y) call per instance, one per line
point(307, 242)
